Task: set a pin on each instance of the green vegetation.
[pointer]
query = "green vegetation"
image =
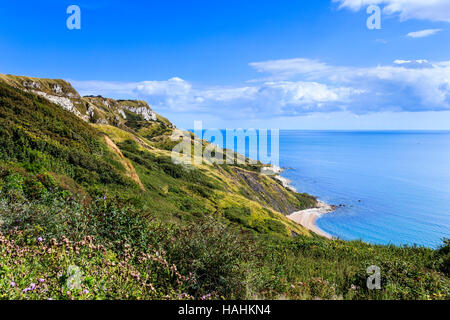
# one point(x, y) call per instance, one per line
point(41, 137)
point(49, 86)
point(124, 255)
point(74, 224)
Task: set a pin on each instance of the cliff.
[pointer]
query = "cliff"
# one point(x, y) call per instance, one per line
point(127, 140)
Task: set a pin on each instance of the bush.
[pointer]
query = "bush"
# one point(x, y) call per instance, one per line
point(443, 256)
point(275, 226)
point(124, 254)
point(214, 256)
point(238, 215)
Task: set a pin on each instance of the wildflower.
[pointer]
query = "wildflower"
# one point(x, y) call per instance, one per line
point(32, 286)
point(39, 239)
point(41, 280)
point(85, 291)
point(12, 284)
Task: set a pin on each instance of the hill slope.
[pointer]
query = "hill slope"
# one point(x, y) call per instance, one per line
point(92, 207)
point(103, 144)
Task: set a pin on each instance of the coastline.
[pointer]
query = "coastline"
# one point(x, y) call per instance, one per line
point(275, 171)
point(307, 218)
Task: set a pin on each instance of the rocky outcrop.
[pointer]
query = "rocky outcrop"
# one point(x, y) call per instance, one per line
point(115, 111)
point(143, 110)
point(63, 102)
point(97, 109)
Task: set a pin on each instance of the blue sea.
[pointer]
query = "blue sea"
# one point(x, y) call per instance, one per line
point(394, 186)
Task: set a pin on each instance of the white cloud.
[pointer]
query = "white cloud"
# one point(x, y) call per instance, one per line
point(407, 85)
point(275, 98)
point(174, 86)
point(297, 87)
point(416, 64)
point(267, 98)
point(434, 10)
point(423, 33)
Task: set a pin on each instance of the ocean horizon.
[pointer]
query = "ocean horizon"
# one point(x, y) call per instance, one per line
point(389, 186)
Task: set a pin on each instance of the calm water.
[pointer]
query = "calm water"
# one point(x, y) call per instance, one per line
point(395, 185)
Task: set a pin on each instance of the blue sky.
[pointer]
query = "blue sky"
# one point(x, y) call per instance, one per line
point(269, 64)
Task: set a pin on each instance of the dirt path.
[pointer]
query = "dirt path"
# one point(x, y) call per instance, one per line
point(131, 172)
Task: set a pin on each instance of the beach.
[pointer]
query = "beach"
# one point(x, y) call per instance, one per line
point(308, 217)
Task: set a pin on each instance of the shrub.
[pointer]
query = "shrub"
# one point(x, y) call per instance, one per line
point(237, 214)
point(215, 257)
point(275, 226)
point(443, 255)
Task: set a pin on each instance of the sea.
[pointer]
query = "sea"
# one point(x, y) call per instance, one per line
point(390, 187)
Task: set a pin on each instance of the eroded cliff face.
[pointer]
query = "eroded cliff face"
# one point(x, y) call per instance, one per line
point(91, 109)
point(116, 112)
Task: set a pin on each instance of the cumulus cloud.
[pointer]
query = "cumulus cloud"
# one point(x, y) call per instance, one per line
point(406, 85)
point(414, 64)
point(434, 10)
point(423, 33)
point(297, 86)
point(275, 98)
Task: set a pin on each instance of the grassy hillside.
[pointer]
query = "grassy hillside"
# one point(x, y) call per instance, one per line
point(88, 184)
point(41, 137)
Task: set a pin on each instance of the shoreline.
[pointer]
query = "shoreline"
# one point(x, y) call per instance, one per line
point(307, 218)
point(275, 172)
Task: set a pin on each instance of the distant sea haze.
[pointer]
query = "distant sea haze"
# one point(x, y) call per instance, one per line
point(393, 187)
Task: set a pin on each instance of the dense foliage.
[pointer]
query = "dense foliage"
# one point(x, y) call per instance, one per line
point(42, 137)
point(46, 234)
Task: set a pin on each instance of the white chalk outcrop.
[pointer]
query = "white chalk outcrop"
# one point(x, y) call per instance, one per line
point(144, 111)
point(64, 102)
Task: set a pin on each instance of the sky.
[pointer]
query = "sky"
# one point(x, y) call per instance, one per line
point(253, 64)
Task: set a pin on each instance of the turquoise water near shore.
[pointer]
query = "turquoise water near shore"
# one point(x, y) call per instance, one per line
point(394, 186)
